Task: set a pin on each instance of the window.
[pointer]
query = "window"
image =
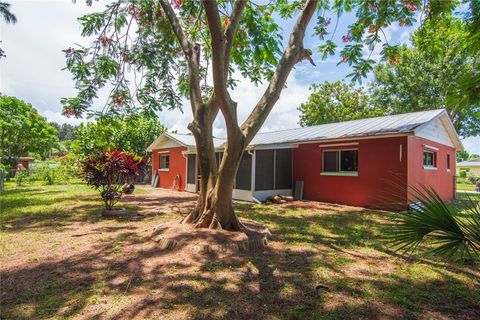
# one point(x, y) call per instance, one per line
point(448, 162)
point(340, 161)
point(164, 162)
point(429, 159)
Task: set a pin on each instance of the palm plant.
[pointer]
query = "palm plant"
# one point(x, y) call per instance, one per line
point(8, 17)
point(6, 14)
point(449, 230)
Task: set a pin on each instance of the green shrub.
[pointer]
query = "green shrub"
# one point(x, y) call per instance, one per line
point(21, 177)
point(109, 171)
point(52, 172)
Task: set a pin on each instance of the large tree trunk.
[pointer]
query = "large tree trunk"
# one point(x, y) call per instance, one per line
point(214, 207)
point(201, 128)
point(218, 210)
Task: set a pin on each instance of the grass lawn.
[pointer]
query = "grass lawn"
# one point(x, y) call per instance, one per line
point(62, 260)
point(465, 186)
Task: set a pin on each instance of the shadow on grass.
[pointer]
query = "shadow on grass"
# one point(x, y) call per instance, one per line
point(59, 206)
point(128, 276)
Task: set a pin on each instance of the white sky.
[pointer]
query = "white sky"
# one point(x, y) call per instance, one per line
point(33, 71)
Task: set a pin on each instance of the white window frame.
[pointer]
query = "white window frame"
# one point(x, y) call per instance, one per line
point(160, 162)
point(338, 173)
point(434, 159)
point(448, 164)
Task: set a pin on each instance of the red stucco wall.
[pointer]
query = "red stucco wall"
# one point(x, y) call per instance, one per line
point(178, 166)
point(381, 180)
point(440, 179)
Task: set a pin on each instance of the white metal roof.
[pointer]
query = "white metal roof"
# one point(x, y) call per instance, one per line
point(469, 163)
point(400, 123)
point(395, 124)
point(183, 139)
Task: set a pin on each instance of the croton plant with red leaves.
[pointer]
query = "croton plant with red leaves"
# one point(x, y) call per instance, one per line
point(109, 171)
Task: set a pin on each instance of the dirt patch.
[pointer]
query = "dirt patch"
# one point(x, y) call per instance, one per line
point(161, 201)
point(176, 236)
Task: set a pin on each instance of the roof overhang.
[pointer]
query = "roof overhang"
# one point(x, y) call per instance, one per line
point(359, 137)
point(449, 127)
point(162, 140)
point(467, 164)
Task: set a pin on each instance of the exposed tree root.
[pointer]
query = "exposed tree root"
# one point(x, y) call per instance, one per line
point(175, 235)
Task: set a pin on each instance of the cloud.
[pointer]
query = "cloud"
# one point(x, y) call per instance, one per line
point(283, 116)
point(472, 144)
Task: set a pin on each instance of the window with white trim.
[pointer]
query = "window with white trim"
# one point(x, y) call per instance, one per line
point(429, 159)
point(164, 162)
point(448, 162)
point(340, 161)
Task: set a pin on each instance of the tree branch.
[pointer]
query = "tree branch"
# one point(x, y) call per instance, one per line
point(223, 98)
point(176, 26)
point(290, 57)
point(192, 53)
point(237, 12)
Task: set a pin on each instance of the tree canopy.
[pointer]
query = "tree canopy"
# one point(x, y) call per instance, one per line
point(429, 75)
point(336, 102)
point(131, 134)
point(139, 45)
point(66, 131)
point(23, 131)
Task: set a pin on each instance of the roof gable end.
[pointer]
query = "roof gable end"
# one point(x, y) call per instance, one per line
point(440, 129)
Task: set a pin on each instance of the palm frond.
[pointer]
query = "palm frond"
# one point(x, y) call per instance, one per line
point(6, 14)
point(449, 230)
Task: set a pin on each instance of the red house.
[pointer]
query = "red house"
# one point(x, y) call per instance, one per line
point(370, 162)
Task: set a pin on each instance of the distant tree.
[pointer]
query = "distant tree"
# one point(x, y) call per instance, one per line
point(462, 155)
point(66, 134)
point(133, 134)
point(335, 102)
point(427, 76)
point(23, 131)
point(8, 17)
point(66, 131)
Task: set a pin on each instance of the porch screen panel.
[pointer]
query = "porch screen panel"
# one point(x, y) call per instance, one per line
point(191, 169)
point(283, 169)
point(264, 170)
point(243, 180)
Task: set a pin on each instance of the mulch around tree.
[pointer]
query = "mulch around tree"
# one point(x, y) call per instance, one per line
point(174, 235)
